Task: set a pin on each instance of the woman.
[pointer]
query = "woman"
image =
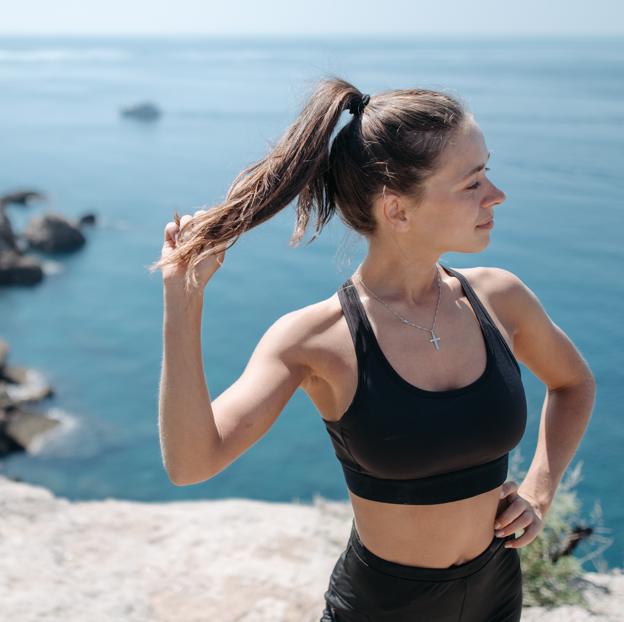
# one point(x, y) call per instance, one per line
point(412, 365)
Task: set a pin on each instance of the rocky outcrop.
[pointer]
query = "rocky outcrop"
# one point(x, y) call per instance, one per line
point(7, 236)
point(21, 197)
point(227, 560)
point(49, 233)
point(18, 269)
point(20, 425)
point(53, 233)
point(144, 111)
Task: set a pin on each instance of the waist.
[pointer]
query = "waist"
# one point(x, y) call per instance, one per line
point(431, 536)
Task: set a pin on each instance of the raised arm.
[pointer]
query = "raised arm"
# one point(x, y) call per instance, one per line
point(199, 437)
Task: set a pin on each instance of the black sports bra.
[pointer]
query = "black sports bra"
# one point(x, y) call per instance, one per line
point(398, 443)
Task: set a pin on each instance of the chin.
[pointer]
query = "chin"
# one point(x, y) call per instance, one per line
point(476, 246)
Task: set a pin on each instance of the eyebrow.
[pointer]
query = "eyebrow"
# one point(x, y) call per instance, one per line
point(476, 169)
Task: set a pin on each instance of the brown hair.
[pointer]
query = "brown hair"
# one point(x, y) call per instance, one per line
point(395, 143)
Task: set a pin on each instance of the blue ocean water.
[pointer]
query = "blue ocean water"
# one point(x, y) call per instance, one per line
point(552, 114)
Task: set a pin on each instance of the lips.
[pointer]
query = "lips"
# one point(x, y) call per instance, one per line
point(486, 222)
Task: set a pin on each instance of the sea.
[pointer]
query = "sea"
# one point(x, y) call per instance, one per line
point(552, 114)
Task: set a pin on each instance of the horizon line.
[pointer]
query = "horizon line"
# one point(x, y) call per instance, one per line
point(319, 35)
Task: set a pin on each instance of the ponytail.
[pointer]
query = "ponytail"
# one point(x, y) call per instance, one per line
point(298, 166)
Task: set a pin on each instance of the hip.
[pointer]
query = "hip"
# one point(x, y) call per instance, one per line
point(364, 587)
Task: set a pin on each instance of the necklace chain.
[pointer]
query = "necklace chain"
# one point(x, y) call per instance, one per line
point(434, 338)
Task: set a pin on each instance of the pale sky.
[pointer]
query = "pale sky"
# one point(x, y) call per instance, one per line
point(314, 17)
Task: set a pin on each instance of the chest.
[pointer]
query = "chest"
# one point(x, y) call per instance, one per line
point(396, 430)
point(408, 354)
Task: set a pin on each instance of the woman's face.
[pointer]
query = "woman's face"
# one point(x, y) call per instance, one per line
point(457, 197)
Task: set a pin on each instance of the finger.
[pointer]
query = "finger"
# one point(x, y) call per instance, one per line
point(533, 503)
point(515, 508)
point(522, 520)
point(527, 537)
point(508, 487)
point(182, 232)
point(508, 495)
point(171, 230)
point(198, 212)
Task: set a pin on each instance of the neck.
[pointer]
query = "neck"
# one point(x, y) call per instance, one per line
point(413, 284)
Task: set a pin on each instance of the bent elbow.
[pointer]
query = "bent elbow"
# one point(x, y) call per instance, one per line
point(176, 481)
point(184, 479)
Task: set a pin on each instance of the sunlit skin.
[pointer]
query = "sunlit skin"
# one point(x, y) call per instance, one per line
point(400, 268)
point(402, 255)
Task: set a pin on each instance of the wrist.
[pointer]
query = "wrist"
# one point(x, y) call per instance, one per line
point(541, 503)
point(176, 293)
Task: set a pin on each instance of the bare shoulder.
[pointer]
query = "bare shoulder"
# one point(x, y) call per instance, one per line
point(491, 278)
point(307, 322)
point(505, 291)
point(537, 340)
point(310, 331)
point(494, 286)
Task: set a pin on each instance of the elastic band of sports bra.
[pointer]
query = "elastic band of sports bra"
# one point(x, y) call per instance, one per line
point(440, 488)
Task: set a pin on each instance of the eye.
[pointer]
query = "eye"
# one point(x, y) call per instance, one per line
point(477, 183)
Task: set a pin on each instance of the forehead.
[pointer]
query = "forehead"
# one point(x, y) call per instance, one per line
point(465, 150)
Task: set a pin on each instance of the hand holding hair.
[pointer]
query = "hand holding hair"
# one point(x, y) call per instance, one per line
point(206, 268)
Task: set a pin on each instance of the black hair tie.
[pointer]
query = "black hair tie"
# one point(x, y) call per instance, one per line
point(357, 105)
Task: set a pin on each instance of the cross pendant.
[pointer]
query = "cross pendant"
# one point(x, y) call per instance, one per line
point(435, 340)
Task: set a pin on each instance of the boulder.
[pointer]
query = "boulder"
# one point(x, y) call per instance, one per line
point(144, 111)
point(87, 219)
point(4, 353)
point(7, 236)
point(24, 426)
point(21, 197)
point(22, 384)
point(52, 232)
point(17, 269)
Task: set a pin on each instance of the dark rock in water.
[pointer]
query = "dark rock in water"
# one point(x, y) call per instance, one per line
point(17, 269)
point(22, 197)
point(144, 111)
point(87, 219)
point(53, 233)
point(23, 385)
point(4, 353)
point(18, 386)
point(7, 236)
point(7, 444)
point(23, 427)
point(6, 404)
point(21, 244)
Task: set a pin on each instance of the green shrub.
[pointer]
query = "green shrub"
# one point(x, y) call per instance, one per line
point(549, 583)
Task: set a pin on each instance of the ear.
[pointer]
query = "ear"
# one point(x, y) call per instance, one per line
point(393, 210)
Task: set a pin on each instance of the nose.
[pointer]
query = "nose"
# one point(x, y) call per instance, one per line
point(497, 196)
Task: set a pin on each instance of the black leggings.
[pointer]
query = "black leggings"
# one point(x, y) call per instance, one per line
point(366, 588)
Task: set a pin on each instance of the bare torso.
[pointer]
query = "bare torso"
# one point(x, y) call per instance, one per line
point(435, 536)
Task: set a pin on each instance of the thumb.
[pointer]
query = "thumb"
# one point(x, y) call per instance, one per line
point(170, 234)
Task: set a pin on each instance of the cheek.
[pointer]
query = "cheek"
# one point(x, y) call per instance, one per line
point(471, 205)
point(466, 208)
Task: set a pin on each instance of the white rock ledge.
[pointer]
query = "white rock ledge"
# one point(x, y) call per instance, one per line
point(189, 561)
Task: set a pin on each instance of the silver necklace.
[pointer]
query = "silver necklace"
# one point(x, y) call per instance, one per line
point(434, 338)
